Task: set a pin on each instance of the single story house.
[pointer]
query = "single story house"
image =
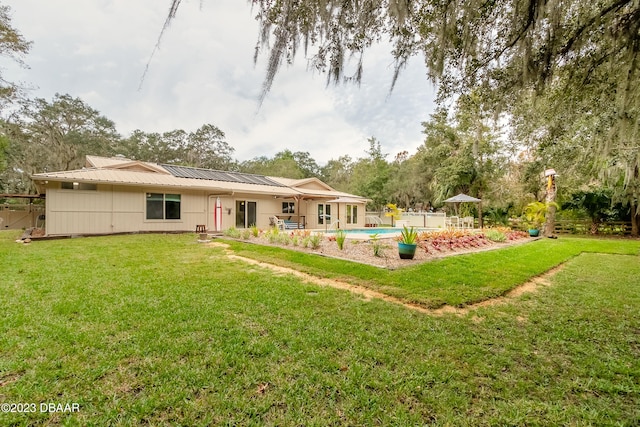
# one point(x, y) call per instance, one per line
point(115, 195)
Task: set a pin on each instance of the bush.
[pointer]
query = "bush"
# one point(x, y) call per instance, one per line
point(341, 236)
point(232, 232)
point(315, 240)
point(283, 239)
point(495, 235)
point(375, 243)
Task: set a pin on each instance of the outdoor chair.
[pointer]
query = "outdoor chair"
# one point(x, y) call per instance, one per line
point(276, 222)
point(467, 222)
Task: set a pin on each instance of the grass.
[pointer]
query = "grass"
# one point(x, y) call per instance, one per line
point(154, 329)
point(456, 281)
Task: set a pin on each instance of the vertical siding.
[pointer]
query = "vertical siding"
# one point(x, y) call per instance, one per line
point(78, 212)
point(117, 209)
point(114, 209)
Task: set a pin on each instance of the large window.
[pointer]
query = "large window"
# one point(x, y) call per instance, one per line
point(163, 206)
point(352, 214)
point(288, 207)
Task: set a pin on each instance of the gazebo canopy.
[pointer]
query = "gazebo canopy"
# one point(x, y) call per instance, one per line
point(462, 198)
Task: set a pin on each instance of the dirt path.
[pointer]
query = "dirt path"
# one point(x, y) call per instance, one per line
point(531, 286)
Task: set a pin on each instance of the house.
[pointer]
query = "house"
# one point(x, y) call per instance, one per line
point(116, 195)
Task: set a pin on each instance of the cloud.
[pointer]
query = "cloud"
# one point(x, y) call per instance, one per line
point(203, 73)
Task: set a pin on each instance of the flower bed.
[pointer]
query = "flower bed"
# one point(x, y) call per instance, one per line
point(381, 252)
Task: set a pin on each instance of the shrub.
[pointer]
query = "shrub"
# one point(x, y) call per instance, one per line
point(495, 235)
point(408, 236)
point(516, 234)
point(315, 240)
point(272, 234)
point(375, 243)
point(232, 232)
point(283, 239)
point(451, 240)
point(255, 231)
point(341, 236)
point(246, 233)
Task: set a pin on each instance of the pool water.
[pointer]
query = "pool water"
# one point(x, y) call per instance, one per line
point(367, 231)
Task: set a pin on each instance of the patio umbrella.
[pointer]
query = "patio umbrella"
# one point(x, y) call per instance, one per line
point(461, 198)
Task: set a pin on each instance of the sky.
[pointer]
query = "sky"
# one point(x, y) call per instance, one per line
point(204, 73)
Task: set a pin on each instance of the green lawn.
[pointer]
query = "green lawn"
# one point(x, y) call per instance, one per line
point(457, 280)
point(158, 329)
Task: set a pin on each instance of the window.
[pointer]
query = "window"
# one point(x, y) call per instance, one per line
point(78, 186)
point(352, 214)
point(163, 206)
point(288, 207)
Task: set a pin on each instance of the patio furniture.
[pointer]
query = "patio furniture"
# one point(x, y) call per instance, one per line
point(292, 225)
point(467, 222)
point(276, 222)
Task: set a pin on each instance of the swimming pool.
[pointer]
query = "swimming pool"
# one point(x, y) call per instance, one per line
point(371, 230)
point(366, 233)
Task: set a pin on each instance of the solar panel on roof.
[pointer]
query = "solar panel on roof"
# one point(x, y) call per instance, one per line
point(214, 175)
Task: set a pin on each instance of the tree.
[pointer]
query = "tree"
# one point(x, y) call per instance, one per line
point(338, 173)
point(284, 164)
point(585, 134)
point(404, 186)
point(52, 136)
point(596, 204)
point(149, 147)
point(371, 174)
point(512, 50)
point(511, 43)
point(4, 147)
point(204, 148)
point(14, 46)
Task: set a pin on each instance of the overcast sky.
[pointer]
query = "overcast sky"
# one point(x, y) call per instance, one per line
point(204, 73)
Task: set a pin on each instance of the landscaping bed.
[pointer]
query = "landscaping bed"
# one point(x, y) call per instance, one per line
point(383, 252)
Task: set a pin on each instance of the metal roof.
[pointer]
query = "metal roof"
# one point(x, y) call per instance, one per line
point(214, 175)
point(116, 170)
point(118, 176)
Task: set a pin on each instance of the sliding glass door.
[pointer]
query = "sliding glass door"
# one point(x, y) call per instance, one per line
point(246, 213)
